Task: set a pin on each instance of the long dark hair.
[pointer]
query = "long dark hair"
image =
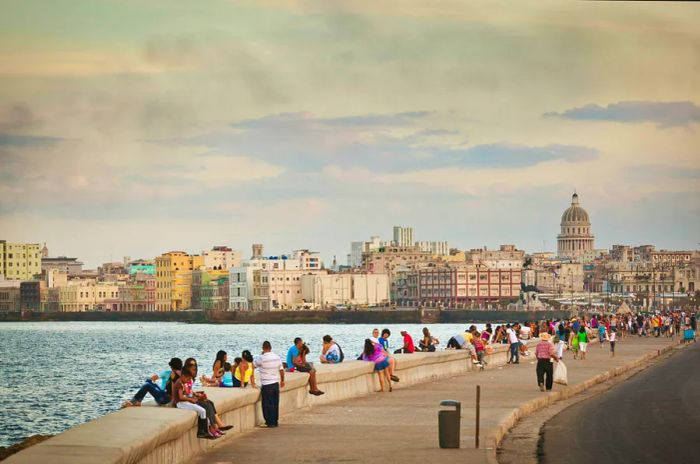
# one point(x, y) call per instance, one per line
point(247, 356)
point(369, 347)
point(191, 363)
point(220, 355)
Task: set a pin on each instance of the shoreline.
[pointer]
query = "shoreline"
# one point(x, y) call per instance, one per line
point(417, 316)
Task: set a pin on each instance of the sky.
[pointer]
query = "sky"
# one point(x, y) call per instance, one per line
point(131, 128)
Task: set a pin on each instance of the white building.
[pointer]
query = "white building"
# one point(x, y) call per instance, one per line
point(403, 236)
point(435, 248)
point(221, 257)
point(506, 257)
point(323, 290)
point(576, 240)
point(357, 248)
point(241, 278)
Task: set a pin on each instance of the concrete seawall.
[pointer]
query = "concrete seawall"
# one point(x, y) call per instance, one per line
point(418, 316)
point(165, 434)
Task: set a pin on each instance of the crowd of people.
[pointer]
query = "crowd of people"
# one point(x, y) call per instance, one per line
point(174, 386)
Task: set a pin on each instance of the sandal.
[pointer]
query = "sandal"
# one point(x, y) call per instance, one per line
point(394, 378)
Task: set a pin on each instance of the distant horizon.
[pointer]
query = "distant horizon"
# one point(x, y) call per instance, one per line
point(246, 251)
point(132, 128)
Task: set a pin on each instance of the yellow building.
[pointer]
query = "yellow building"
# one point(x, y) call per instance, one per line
point(20, 261)
point(174, 280)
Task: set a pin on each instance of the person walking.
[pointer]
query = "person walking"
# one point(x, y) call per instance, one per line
point(271, 380)
point(611, 337)
point(583, 342)
point(514, 345)
point(545, 353)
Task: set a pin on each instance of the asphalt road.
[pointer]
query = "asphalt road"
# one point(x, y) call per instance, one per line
point(654, 417)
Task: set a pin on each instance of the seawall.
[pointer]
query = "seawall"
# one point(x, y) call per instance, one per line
point(164, 434)
point(418, 316)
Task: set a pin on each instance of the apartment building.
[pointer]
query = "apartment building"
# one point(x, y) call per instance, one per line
point(20, 261)
point(174, 280)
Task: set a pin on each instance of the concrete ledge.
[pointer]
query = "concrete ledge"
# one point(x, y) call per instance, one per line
point(164, 434)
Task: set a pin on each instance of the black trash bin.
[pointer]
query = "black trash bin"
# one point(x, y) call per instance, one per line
point(449, 424)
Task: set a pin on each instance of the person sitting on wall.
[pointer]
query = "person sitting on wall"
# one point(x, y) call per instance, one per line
point(244, 372)
point(428, 342)
point(213, 418)
point(408, 346)
point(161, 393)
point(463, 341)
point(331, 353)
point(297, 362)
point(217, 371)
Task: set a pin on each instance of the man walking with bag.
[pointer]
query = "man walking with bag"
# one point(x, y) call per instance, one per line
point(545, 353)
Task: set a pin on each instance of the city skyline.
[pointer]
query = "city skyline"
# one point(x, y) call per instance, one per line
point(131, 129)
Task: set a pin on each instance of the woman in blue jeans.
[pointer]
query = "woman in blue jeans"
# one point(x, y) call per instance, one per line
point(161, 393)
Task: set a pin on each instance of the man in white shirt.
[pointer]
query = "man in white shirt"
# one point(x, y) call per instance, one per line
point(514, 345)
point(271, 380)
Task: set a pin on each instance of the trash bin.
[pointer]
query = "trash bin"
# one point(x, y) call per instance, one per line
point(449, 423)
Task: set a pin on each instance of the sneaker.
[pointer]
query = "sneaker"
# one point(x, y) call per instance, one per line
point(475, 361)
point(541, 387)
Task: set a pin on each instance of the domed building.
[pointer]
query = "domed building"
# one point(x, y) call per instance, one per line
point(575, 239)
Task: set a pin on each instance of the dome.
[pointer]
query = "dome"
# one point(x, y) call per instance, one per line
point(574, 213)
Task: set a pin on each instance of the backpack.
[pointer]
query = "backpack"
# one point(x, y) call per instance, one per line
point(342, 355)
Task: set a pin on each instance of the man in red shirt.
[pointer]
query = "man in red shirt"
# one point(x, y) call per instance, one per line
point(408, 346)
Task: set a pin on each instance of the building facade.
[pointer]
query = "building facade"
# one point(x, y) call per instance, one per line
point(242, 283)
point(87, 295)
point(20, 261)
point(403, 236)
point(210, 289)
point(10, 296)
point(575, 240)
point(278, 289)
point(221, 258)
point(462, 284)
point(327, 290)
point(174, 280)
point(435, 248)
point(70, 265)
point(506, 257)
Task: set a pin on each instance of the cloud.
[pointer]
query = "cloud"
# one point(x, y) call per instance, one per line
point(27, 140)
point(663, 114)
point(512, 156)
point(391, 142)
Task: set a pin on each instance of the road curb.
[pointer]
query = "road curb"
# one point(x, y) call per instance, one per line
point(540, 403)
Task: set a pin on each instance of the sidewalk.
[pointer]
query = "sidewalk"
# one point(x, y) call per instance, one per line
point(402, 426)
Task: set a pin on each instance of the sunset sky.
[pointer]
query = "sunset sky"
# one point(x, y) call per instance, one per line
point(134, 127)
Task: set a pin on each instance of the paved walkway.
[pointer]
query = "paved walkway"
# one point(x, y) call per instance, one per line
point(402, 426)
point(653, 417)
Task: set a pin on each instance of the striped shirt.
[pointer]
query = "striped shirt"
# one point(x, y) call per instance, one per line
point(269, 366)
point(544, 350)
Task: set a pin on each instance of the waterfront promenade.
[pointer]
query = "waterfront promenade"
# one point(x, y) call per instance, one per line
point(402, 426)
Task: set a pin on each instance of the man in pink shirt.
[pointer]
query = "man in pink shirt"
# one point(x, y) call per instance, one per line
point(544, 351)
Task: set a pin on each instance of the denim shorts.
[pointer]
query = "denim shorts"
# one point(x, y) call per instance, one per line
point(382, 365)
